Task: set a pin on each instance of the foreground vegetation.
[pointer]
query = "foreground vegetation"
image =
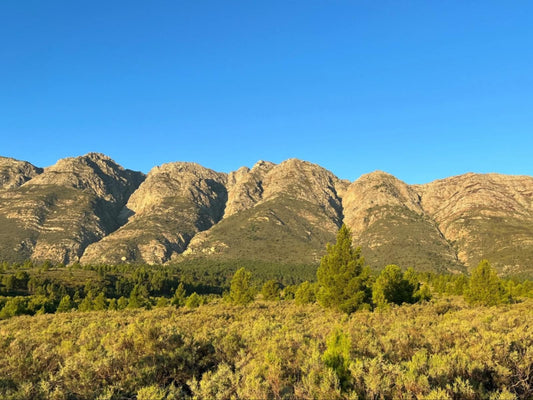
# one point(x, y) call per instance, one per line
point(444, 349)
point(352, 334)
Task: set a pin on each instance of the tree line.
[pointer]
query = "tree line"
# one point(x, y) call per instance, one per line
point(343, 282)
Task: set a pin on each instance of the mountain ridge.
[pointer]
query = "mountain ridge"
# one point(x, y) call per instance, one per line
point(92, 210)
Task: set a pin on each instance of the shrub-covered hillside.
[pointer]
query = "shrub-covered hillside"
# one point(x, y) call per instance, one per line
point(272, 350)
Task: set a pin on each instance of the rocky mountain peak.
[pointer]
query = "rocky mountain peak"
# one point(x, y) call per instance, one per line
point(245, 187)
point(306, 181)
point(263, 165)
point(494, 192)
point(178, 179)
point(91, 209)
point(485, 216)
point(175, 202)
point(14, 173)
point(373, 190)
point(94, 173)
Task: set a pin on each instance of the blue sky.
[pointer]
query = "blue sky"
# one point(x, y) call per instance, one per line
point(420, 89)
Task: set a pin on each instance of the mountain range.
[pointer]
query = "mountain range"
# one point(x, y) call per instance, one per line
point(91, 210)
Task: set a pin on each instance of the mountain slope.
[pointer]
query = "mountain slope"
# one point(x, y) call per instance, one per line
point(291, 211)
point(57, 213)
point(90, 209)
point(174, 203)
point(485, 216)
point(390, 224)
point(14, 173)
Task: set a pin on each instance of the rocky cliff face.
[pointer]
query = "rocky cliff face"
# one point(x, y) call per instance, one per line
point(57, 213)
point(485, 216)
point(174, 203)
point(245, 187)
point(389, 223)
point(14, 173)
point(90, 209)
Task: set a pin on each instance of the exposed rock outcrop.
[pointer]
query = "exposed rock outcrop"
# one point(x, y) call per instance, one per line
point(485, 216)
point(91, 209)
point(14, 173)
point(174, 203)
point(56, 214)
point(245, 187)
point(284, 213)
point(390, 224)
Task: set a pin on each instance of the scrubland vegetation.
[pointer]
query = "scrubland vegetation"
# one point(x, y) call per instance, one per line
point(443, 349)
point(178, 333)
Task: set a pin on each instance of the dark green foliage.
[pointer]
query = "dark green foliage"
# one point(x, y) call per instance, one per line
point(87, 303)
point(99, 302)
point(485, 287)
point(241, 290)
point(271, 290)
point(137, 297)
point(218, 273)
point(65, 304)
point(393, 286)
point(289, 292)
point(305, 293)
point(343, 281)
point(193, 301)
point(179, 296)
point(14, 306)
point(112, 305)
point(122, 303)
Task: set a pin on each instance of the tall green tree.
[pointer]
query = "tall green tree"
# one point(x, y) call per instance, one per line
point(342, 278)
point(485, 287)
point(241, 290)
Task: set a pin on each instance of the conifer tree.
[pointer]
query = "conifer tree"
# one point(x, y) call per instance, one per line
point(305, 293)
point(193, 301)
point(241, 290)
point(112, 304)
point(342, 278)
point(99, 302)
point(485, 287)
point(180, 297)
point(65, 304)
point(122, 303)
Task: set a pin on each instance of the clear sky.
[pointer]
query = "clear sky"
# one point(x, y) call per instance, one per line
point(420, 89)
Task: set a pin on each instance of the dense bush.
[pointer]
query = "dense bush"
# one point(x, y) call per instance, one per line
point(444, 349)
